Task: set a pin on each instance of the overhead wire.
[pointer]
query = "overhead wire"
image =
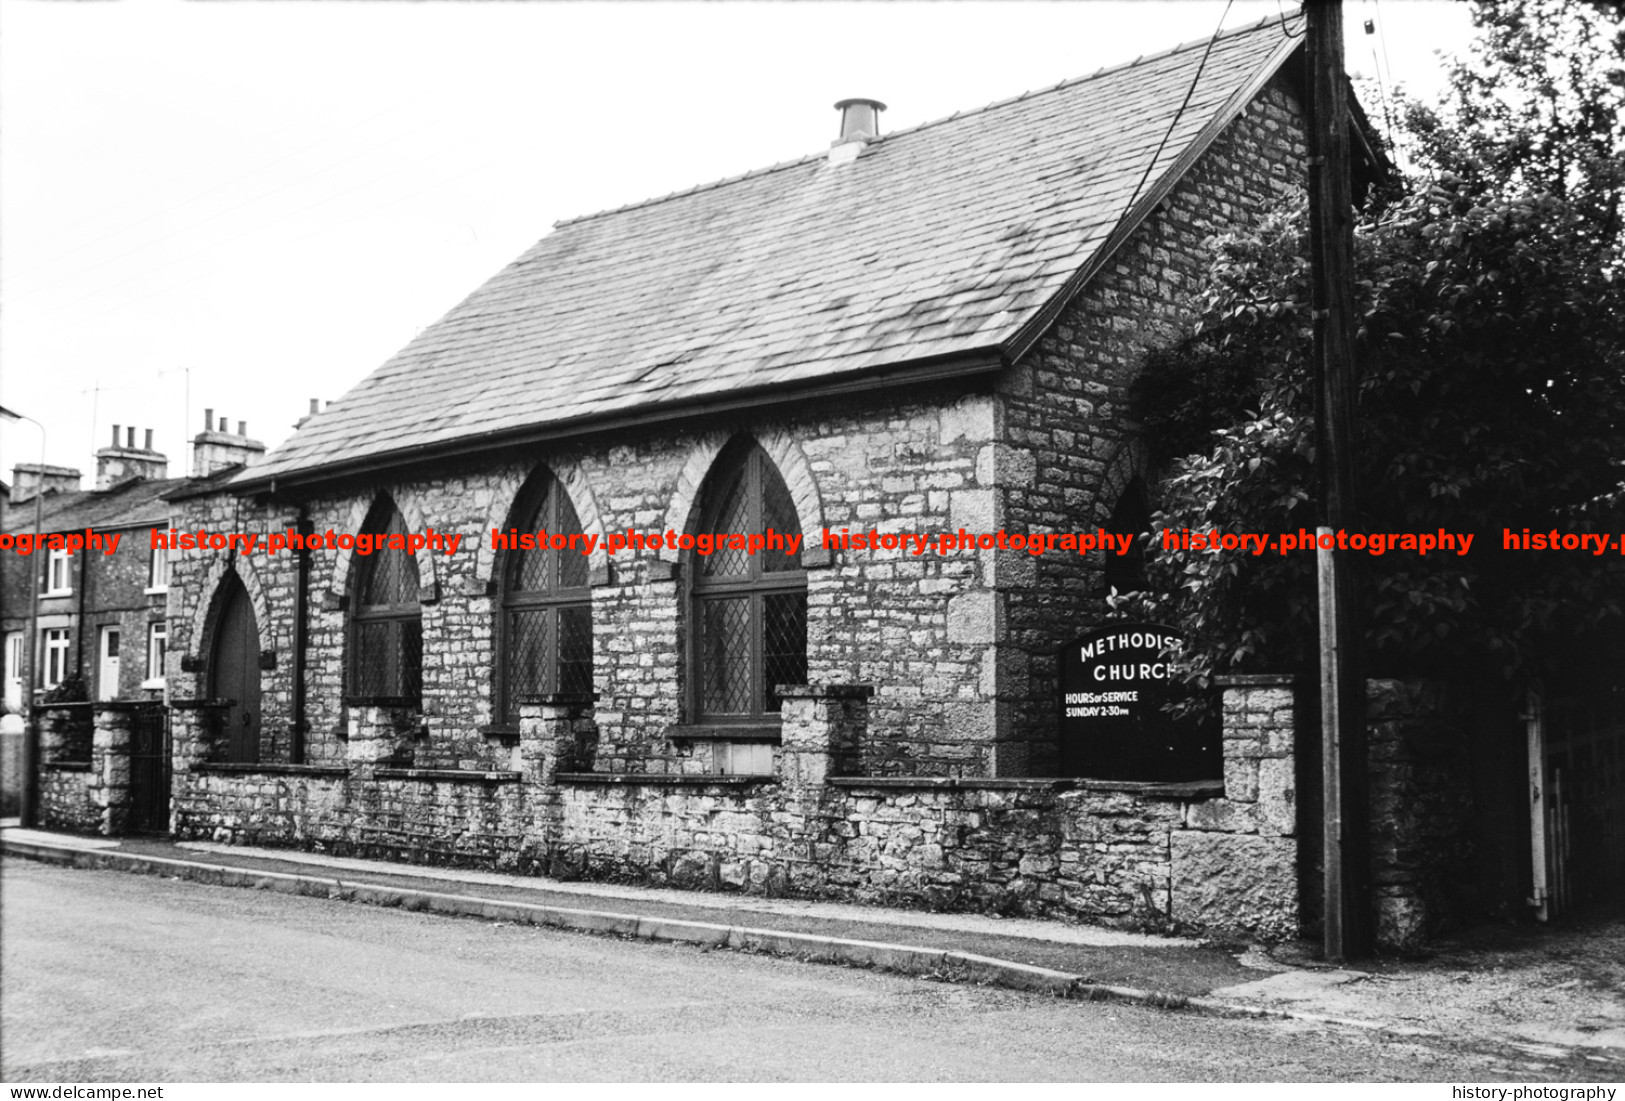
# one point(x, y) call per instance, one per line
point(1179, 114)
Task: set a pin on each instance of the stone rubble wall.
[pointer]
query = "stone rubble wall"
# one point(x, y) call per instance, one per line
point(1197, 856)
point(468, 821)
point(1069, 443)
point(1424, 861)
point(85, 772)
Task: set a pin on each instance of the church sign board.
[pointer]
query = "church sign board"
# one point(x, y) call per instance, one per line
point(1112, 687)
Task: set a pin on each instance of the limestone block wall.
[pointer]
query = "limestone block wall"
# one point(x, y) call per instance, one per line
point(411, 815)
point(85, 772)
point(1069, 441)
point(67, 769)
point(1424, 857)
point(65, 801)
point(1203, 855)
point(921, 629)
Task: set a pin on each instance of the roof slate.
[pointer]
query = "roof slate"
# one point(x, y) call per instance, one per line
point(938, 241)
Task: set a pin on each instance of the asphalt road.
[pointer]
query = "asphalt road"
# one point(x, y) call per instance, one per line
point(117, 977)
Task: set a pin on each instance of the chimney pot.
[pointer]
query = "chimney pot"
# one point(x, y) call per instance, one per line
point(860, 120)
point(208, 420)
point(115, 435)
point(242, 428)
point(149, 439)
point(225, 425)
point(129, 437)
point(314, 402)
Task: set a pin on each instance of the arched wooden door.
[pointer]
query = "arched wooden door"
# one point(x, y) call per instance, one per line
point(234, 670)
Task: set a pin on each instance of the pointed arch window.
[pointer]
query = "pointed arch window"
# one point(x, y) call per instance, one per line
point(1131, 516)
point(386, 620)
point(749, 625)
point(544, 641)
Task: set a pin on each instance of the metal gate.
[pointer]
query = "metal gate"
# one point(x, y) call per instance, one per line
point(149, 769)
point(1577, 800)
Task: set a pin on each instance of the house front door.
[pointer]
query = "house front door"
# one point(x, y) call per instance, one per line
point(107, 667)
point(234, 671)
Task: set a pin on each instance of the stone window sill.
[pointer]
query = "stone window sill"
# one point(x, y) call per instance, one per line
point(663, 779)
point(67, 766)
point(455, 775)
point(726, 733)
point(502, 735)
point(273, 768)
point(1187, 790)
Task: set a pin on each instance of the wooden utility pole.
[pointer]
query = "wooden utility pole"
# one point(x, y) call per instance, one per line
point(1346, 837)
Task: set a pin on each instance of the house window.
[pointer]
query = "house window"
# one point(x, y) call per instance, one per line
point(749, 625)
point(157, 648)
point(59, 574)
point(386, 625)
point(158, 570)
point(54, 646)
point(545, 641)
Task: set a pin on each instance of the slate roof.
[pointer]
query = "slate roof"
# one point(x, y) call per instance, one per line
point(943, 242)
point(136, 502)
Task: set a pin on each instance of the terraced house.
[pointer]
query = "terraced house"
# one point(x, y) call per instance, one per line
point(921, 331)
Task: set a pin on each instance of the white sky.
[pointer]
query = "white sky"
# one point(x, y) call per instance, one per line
point(269, 199)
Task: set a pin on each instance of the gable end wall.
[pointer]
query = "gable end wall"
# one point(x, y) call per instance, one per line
point(1070, 441)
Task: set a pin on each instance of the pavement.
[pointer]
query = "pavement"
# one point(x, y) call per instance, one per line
point(1554, 995)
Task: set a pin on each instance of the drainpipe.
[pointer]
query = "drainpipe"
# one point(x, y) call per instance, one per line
point(301, 631)
point(80, 628)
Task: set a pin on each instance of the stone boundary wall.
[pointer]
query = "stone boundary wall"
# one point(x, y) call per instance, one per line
point(1424, 842)
point(1212, 856)
point(1205, 855)
point(479, 819)
point(85, 767)
point(1226, 856)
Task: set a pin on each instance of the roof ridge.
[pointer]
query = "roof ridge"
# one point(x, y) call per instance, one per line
point(954, 117)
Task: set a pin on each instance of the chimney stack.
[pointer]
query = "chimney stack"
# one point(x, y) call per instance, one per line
point(860, 125)
point(124, 460)
point(215, 449)
point(315, 407)
point(30, 479)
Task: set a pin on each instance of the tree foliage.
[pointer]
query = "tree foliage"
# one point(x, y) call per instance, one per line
point(1490, 300)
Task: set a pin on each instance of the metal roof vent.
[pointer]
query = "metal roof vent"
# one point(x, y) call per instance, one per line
point(860, 125)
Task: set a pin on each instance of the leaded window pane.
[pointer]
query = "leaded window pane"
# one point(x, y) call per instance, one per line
point(784, 644)
point(546, 642)
point(778, 516)
point(527, 654)
point(575, 648)
point(750, 611)
point(389, 658)
point(386, 655)
point(725, 631)
point(391, 575)
point(732, 518)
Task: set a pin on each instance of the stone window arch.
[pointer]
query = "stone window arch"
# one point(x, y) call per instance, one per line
point(386, 619)
point(748, 624)
point(544, 620)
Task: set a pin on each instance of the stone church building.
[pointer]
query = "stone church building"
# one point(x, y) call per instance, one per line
point(925, 331)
